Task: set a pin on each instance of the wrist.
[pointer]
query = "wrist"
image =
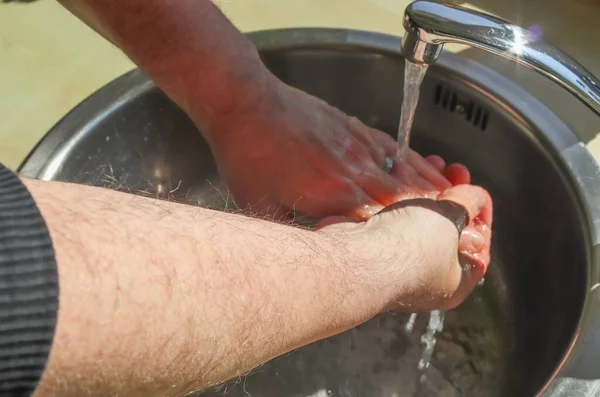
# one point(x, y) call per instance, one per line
point(366, 289)
point(385, 260)
point(240, 90)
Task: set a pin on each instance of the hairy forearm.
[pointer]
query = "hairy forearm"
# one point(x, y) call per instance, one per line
point(188, 47)
point(158, 298)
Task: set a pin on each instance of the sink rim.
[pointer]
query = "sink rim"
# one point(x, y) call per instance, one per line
point(562, 141)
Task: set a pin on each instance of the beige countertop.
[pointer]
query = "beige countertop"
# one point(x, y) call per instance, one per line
point(50, 61)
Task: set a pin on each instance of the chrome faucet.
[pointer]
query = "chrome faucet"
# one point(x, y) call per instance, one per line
point(429, 25)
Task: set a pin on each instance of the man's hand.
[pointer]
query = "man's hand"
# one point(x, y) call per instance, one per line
point(279, 149)
point(290, 151)
point(438, 277)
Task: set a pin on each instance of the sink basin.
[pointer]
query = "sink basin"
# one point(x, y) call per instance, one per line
point(534, 320)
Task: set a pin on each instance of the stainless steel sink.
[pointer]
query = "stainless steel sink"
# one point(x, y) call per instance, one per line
point(533, 322)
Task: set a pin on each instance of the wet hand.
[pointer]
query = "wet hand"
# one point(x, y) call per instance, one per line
point(408, 257)
point(292, 152)
point(475, 238)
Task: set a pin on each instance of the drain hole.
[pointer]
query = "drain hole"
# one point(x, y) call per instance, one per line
point(438, 94)
point(469, 110)
point(448, 99)
point(453, 102)
point(484, 121)
point(477, 116)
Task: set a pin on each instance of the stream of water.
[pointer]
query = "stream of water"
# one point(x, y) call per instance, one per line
point(413, 77)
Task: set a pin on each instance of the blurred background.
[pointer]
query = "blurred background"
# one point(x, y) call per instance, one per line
point(50, 61)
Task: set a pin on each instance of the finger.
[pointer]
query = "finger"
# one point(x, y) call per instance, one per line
point(384, 141)
point(370, 184)
point(378, 154)
point(472, 273)
point(437, 162)
point(364, 211)
point(471, 240)
point(481, 259)
point(414, 185)
point(371, 177)
point(475, 241)
point(427, 170)
point(471, 198)
point(362, 134)
point(376, 151)
point(334, 194)
point(486, 215)
point(356, 203)
point(458, 174)
point(384, 189)
point(480, 198)
point(377, 184)
point(422, 166)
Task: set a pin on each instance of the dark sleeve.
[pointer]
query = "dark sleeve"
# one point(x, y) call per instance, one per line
point(28, 289)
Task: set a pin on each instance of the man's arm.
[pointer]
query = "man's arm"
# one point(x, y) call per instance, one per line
point(277, 148)
point(158, 298)
point(188, 47)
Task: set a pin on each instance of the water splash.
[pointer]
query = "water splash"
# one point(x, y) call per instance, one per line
point(413, 77)
point(410, 324)
point(435, 324)
point(321, 393)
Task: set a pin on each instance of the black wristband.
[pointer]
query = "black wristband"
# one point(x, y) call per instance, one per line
point(28, 289)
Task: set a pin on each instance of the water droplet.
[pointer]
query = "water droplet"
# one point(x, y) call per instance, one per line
point(410, 324)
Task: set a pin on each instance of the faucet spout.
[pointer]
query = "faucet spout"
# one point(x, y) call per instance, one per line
point(429, 25)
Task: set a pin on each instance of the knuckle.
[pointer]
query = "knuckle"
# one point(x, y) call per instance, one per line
point(353, 122)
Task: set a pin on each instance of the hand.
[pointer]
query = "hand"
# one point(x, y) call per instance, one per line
point(293, 152)
point(473, 236)
point(477, 233)
point(409, 252)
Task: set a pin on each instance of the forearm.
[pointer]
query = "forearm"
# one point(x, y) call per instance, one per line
point(158, 298)
point(188, 47)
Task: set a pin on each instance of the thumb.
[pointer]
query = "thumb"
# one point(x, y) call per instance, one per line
point(477, 203)
point(472, 198)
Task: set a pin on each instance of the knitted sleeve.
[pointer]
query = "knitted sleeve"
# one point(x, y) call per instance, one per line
point(28, 289)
